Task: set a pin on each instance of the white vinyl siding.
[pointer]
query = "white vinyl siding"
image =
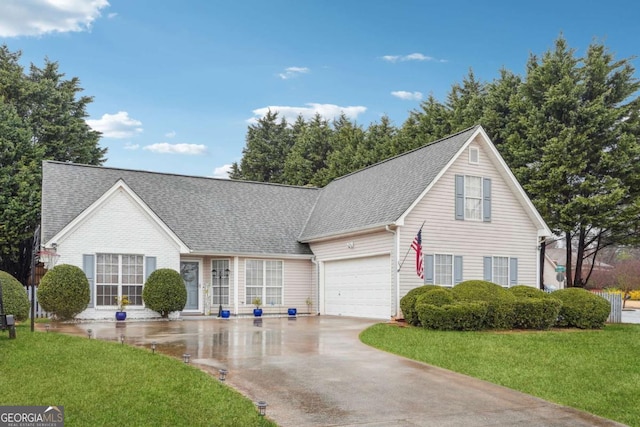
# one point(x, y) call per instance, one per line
point(511, 231)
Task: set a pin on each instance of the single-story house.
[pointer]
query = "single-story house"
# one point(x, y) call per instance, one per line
point(345, 249)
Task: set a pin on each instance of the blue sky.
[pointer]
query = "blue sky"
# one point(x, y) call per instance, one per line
point(176, 83)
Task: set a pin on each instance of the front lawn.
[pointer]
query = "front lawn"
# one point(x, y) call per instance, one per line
point(102, 383)
point(597, 371)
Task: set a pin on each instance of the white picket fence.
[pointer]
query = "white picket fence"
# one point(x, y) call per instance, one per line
point(615, 316)
point(39, 312)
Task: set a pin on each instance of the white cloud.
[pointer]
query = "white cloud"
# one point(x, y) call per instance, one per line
point(130, 146)
point(166, 148)
point(293, 72)
point(409, 96)
point(171, 134)
point(328, 111)
point(411, 57)
point(38, 17)
point(112, 15)
point(118, 125)
point(222, 172)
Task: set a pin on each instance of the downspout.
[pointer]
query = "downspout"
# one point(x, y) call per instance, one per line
point(396, 239)
point(542, 248)
point(313, 260)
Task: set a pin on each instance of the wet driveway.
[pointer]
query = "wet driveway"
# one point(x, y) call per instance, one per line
point(313, 371)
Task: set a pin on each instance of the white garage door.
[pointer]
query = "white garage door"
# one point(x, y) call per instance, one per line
point(358, 287)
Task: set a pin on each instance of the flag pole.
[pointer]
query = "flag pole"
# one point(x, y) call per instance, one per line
point(407, 254)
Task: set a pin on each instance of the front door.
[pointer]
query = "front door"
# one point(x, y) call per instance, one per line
point(190, 272)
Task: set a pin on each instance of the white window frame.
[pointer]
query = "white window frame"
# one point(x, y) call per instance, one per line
point(467, 199)
point(437, 275)
point(474, 151)
point(260, 280)
point(495, 267)
point(101, 279)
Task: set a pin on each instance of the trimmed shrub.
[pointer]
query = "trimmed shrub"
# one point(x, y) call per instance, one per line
point(527, 292)
point(535, 313)
point(408, 303)
point(165, 292)
point(499, 301)
point(435, 296)
point(64, 291)
point(459, 316)
point(581, 309)
point(14, 297)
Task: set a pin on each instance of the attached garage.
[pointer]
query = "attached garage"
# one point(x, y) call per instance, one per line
point(358, 287)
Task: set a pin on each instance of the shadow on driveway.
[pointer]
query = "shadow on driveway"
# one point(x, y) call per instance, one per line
point(314, 371)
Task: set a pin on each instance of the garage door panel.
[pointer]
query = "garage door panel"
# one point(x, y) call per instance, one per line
point(359, 287)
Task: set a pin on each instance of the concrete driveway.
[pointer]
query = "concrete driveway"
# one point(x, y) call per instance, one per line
point(314, 371)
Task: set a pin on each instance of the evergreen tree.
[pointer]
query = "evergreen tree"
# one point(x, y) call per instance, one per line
point(41, 118)
point(309, 153)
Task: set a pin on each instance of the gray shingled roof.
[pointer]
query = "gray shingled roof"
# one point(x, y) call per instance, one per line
point(224, 216)
point(207, 214)
point(380, 194)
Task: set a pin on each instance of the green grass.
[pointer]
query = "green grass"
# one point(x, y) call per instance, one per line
point(597, 371)
point(107, 384)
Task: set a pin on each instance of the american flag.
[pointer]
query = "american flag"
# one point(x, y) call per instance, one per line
point(416, 245)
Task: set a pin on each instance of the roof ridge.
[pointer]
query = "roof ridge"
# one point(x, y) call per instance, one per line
point(178, 174)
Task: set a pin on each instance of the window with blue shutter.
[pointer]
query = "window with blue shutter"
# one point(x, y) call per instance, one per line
point(486, 200)
point(513, 271)
point(428, 269)
point(460, 197)
point(457, 269)
point(487, 268)
point(149, 266)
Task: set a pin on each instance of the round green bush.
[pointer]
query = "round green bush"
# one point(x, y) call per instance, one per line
point(64, 291)
point(536, 313)
point(14, 297)
point(500, 301)
point(165, 292)
point(581, 309)
point(435, 296)
point(459, 316)
point(527, 291)
point(408, 303)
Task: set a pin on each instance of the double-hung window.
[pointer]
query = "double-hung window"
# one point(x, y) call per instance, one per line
point(119, 275)
point(443, 269)
point(501, 270)
point(443, 265)
point(264, 280)
point(472, 198)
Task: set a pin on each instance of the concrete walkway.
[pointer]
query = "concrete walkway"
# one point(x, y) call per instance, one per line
point(314, 371)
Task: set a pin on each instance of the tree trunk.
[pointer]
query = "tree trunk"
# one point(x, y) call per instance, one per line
point(568, 271)
point(577, 281)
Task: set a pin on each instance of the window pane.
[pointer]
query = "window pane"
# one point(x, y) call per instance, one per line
point(501, 271)
point(134, 293)
point(473, 197)
point(106, 294)
point(443, 270)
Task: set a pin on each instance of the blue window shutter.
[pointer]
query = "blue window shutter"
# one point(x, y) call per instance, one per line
point(513, 271)
point(149, 266)
point(457, 269)
point(486, 203)
point(488, 266)
point(428, 269)
point(88, 264)
point(460, 197)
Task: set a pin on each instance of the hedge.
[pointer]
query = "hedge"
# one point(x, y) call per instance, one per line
point(408, 303)
point(459, 316)
point(535, 313)
point(14, 297)
point(500, 302)
point(581, 309)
